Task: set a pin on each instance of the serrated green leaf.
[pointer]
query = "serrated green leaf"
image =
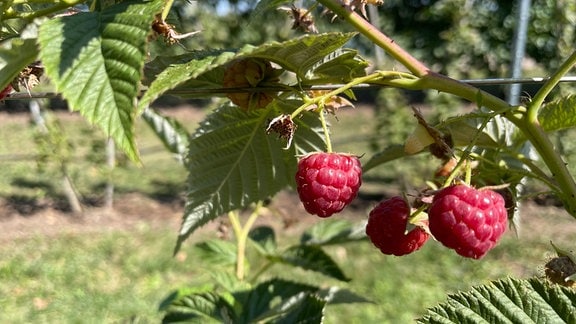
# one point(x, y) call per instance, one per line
point(508, 301)
point(298, 55)
point(390, 153)
point(333, 232)
point(207, 307)
point(558, 114)
point(167, 73)
point(313, 258)
point(173, 135)
point(336, 295)
point(463, 133)
point(303, 308)
point(232, 162)
point(340, 66)
point(217, 251)
point(261, 302)
point(16, 54)
point(199, 73)
point(264, 239)
point(95, 60)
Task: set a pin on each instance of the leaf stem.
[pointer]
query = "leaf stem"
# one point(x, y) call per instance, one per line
point(241, 233)
point(393, 78)
point(166, 10)
point(326, 131)
point(377, 37)
point(540, 96)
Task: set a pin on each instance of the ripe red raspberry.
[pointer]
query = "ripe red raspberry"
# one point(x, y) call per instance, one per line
point(387, 228)
point(468, 220)
point(328, 182)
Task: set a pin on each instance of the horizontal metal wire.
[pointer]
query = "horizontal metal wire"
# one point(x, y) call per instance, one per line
point(198, 91)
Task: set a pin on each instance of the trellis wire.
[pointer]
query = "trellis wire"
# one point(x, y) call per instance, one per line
point(474, 82)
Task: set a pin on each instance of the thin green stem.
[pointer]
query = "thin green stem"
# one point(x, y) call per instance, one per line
point(558, 168)
point(237, 228)
point(398, 79)
point(541, 95)
point(377, 37)
point(326, 131)
point(241, 234)
point(167, 7)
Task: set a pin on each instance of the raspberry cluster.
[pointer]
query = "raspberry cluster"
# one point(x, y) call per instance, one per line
point(468, 220)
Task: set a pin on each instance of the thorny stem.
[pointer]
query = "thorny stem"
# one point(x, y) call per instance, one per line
point(526, 122)
point(377, 37)
point(241, 233)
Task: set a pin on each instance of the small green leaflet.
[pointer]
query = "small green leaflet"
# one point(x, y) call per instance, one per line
point(17, 53)
point(95, 60)
point(559, 114)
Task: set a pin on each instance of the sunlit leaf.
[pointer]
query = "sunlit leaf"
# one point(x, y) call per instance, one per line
point(333, 232)
point(261, 302)
point(559, 114)
point(340, 66)
point(206, 307)
point(200, 73)
point(217, 251)
point(16, 54)
point(95, 60)
point(390, 153)
point(508, 301)
point(313, 258)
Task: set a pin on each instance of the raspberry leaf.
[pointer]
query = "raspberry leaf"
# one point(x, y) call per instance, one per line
point(264, 239)
point(508, 301)
point(265, 299)
point(199, 307)
point(217, 252)
point(390, 153)
point(15, 54)
point(173, 135)
point(95, 60)
point(558, 114)
point(333, 231)
point(200, 73)
point(313, 258)
point(233, 163)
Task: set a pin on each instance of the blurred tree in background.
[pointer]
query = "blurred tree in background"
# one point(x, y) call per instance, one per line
point(463, 38)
